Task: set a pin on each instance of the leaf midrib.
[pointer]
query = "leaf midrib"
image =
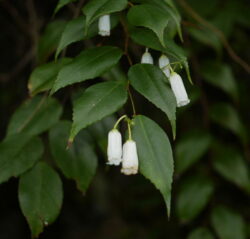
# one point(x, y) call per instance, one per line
point(104, 96)
point(158, 88)
point(152, 152)
point(87, 63)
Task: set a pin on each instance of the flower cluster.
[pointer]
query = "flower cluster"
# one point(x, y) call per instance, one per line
point(175, 79)
point(126, 154)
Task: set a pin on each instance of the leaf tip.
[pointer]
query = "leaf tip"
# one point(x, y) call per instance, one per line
point(173, 125)
point(69, 144)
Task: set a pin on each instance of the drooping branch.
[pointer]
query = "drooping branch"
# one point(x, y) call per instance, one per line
point(218, 32)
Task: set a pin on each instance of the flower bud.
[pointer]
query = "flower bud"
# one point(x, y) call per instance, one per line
point(114, 147)
point(147, 58)
point(164, 65)
point(130, 158)
point(179, 89)
point(104, 25)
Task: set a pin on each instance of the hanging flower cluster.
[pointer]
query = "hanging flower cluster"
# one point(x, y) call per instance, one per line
point(126, 154)
point(175, 79)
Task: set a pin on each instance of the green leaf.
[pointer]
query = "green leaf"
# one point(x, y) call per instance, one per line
point(186, 156)
point(149, 80)
point(220, 76)
point(97, 102)
point(230, 164)
point(35, 116)
point(193, 197)
point(43, 77)
point(226, 116)
point(62, 3)
point(79, 162)
point(206, 37)
point(90, 64)
point(40, 196)
point(155, 155)
point(73, 32)
point(151, 17)
point(50, 39)
point(115, 73)
point(228, 224)
point(147, 38)
point(168, 7)
point(18, 154)
point(201, 233)
point(96, 8)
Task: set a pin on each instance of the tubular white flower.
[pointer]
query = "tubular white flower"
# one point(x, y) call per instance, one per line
point(179, 89)
point(114, 147)
point(164, 65)
point(147, 58)
point(130, 158)
point(104, 25)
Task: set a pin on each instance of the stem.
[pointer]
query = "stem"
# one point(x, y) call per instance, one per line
point(171, 69)
point(129, 130)
point(126, 42)
point(119, 120)
point(175, 63)
point(132, 101)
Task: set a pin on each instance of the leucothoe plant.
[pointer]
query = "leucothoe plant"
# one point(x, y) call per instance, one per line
point(102, 77)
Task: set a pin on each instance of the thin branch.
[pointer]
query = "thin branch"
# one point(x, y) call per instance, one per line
point(23, 62)
point(131, 98)
point(16, 17)
point(34, 24)
point(78, 8)
point(218, 32)
point(126, 42)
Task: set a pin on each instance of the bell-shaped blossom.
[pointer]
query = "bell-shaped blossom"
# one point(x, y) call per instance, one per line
point(130, 158)
point(179, 89)
point(114, 147)
point(104, 25)
point(147, 58)
point(164, 65)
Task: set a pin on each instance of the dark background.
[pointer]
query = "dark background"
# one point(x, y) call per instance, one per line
point(116, 206)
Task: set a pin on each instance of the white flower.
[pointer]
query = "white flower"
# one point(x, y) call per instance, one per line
point(104, 25)
point(164, 65)
point(129, 158)
point(147, 58)
point(114, 147)
point(179, 89)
